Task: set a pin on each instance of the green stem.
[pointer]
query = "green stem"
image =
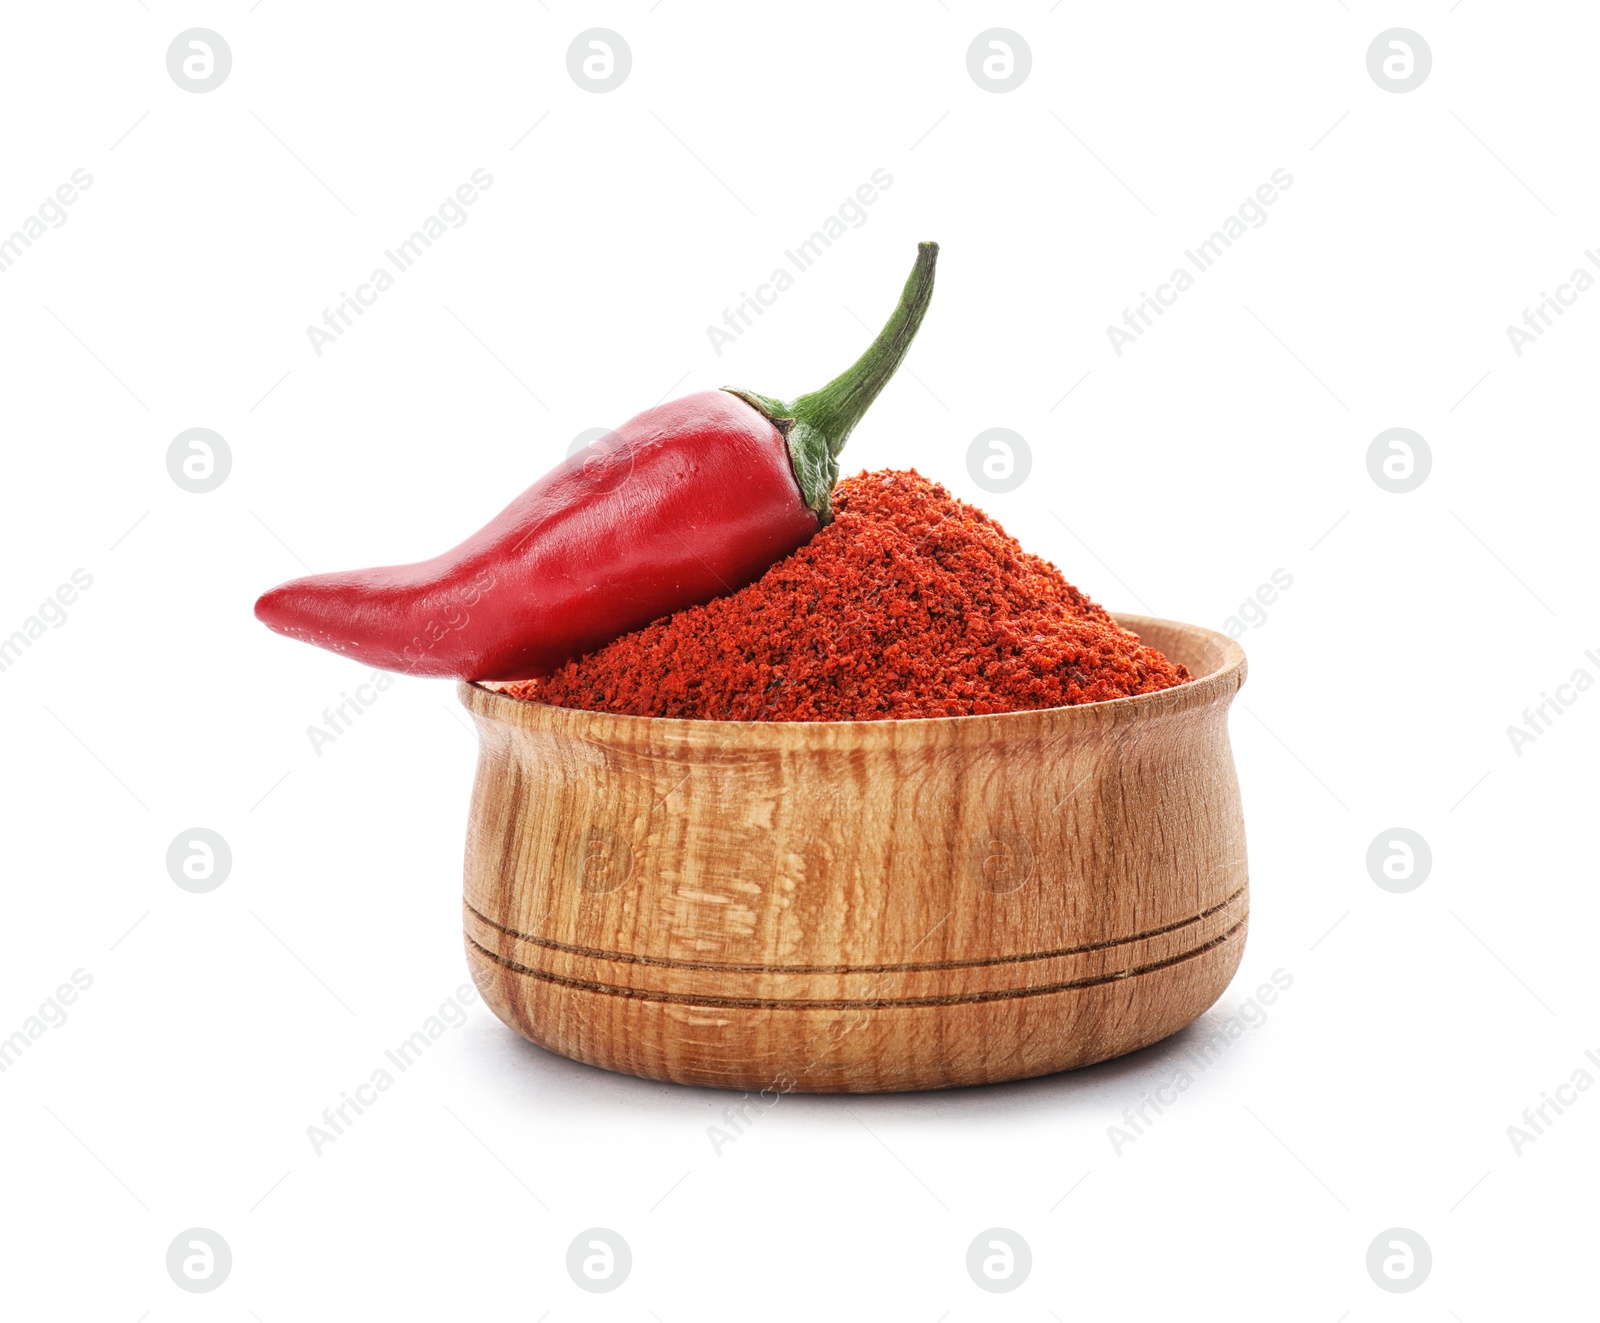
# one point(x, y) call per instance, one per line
point(817, 425)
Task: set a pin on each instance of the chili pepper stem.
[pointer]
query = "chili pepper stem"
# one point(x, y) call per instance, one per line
point(816, 426)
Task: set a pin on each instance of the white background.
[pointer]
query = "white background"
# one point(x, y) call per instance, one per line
point(1224, 445)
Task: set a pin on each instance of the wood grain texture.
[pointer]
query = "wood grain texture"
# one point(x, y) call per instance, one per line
point(860, 906)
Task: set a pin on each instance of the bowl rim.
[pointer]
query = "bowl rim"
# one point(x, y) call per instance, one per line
point(1217, 685)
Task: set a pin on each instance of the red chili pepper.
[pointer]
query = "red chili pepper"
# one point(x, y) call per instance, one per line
point(685, 502)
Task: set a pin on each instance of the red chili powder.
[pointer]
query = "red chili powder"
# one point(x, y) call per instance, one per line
point(909, 604)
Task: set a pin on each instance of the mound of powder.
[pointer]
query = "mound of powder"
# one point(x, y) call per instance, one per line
point(909, 604)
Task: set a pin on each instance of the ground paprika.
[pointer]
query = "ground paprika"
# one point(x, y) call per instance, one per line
point(909, 604)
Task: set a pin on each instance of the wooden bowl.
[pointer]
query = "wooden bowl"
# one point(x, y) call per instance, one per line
point(856, 907)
